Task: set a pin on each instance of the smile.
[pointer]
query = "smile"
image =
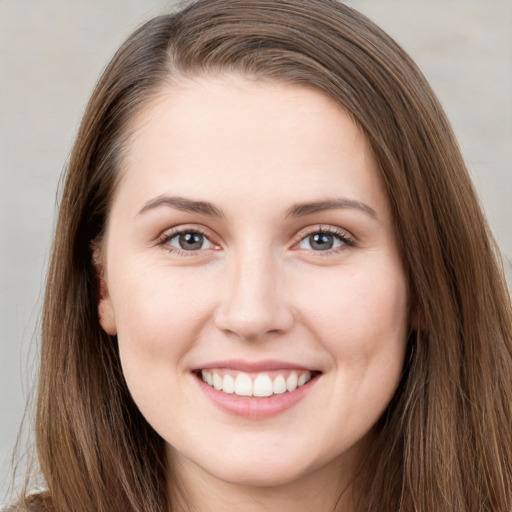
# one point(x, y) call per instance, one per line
point(255, 390)
point(264, 384)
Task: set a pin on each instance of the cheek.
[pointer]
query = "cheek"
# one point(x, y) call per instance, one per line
point(362, 321)
point(360, 306)
point(157, 317)
point(157, 323)
point(366, 326)
point(155, 306)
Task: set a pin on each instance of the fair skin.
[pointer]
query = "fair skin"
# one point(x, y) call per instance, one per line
point(251, 235)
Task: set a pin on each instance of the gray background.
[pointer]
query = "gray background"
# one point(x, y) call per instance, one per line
point(52, 52)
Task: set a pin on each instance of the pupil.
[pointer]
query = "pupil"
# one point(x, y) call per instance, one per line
point(321, 241)
point(191, 241)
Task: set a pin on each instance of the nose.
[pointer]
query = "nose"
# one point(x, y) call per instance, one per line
point(254, 304)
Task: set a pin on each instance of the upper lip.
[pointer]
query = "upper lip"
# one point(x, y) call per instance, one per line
point(255, 366)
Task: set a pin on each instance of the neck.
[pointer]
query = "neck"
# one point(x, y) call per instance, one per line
point(328, 489)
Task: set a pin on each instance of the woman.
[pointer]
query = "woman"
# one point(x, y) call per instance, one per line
point(271, 287)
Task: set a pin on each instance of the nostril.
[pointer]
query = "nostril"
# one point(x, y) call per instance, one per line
point(254, 322)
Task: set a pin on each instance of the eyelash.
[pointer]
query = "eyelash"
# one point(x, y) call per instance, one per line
point(346, 239)
point(164, 240)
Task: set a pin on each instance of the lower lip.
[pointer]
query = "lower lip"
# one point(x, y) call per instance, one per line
point(256, 407)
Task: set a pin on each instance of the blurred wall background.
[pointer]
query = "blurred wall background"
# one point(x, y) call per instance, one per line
point(52, 52)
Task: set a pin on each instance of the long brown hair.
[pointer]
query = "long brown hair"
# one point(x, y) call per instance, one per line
point(445, 441)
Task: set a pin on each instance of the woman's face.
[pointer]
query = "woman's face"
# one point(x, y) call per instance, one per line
point(251, 245)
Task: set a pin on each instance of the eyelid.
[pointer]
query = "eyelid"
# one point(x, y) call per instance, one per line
point(348, 239)
point(170, 233)
point(344, 235)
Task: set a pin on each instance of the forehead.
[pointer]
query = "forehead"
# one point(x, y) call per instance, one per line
point(230, 134)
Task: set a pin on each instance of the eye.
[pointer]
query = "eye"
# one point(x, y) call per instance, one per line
point(188, 241)
point(325, 240)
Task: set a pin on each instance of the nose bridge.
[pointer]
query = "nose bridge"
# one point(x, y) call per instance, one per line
point(253, 303)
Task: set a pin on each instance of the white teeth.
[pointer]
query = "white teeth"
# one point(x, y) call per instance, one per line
point(243, 385)
point(279, 385)
point(228, 384)
point(262, 385)
point(217, 381)
point(291, 382)
point(303, 379)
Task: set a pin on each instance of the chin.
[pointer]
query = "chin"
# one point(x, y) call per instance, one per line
point(259, 474)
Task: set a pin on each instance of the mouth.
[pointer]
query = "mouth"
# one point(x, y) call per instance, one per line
point(252, 384)
point(255, 390)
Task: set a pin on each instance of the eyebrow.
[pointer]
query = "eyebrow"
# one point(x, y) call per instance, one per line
point(302, 209)
point(183, 204)
point(297, 210)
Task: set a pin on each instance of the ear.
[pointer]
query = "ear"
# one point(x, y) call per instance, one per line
point(105, 310)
